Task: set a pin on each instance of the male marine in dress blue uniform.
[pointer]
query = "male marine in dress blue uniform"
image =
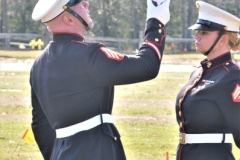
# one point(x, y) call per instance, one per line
point(208, 106)
point(73, 88)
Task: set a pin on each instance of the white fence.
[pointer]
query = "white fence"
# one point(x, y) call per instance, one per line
point(9, 40)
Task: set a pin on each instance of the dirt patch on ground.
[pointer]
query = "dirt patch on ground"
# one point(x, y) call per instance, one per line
point(164, 61)
point(14, 101)
point(194, 62)
point(15, 117)
point(15, 60)
point(163, 119)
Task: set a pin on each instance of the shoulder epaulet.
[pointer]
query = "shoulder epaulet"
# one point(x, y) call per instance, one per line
point(80, 42)
point(88, 44)
point(231, 65)
point(93, 46)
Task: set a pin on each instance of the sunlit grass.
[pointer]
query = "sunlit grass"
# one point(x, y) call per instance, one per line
point(14, 84)
point(20, 54)
point(144, 114)
point(148, 140)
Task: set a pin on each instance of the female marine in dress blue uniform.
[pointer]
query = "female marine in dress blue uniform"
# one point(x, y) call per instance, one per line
point(208, 106)
point(73, 81)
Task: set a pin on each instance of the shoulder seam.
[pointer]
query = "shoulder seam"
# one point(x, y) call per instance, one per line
point(79, 42)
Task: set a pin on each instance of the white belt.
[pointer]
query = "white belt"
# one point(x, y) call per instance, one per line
point(83, 126)
point(205, 138)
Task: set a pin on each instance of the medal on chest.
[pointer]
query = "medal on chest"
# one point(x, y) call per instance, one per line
point(205, 84)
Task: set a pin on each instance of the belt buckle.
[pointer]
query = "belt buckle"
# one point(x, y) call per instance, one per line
point(182, 138)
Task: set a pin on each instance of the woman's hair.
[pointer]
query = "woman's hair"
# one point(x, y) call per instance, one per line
point(234, 40)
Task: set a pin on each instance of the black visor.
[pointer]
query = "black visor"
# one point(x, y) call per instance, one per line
point(205, 25)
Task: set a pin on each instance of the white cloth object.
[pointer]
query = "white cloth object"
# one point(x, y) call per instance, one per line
point(207, 138)
point(158, 1)
point(160, 12)
point(46, 10)
point(83, 126)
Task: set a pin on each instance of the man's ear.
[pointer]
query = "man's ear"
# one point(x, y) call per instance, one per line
point(68, 20)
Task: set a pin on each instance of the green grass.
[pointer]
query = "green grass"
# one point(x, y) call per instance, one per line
point(144, 114)
point(14, 84)
point(191, 56)
point(147, 140)
point(12, 147)
point(173, 57)
point(146, 123)
point(20, 54)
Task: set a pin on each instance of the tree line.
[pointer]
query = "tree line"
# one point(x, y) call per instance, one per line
point(112, 18)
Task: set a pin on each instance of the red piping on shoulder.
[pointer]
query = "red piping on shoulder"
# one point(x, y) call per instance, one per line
point(155, 48)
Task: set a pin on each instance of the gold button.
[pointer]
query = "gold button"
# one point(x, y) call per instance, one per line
point(181, 125)
point(115, 138)
point(180, 101)
point(159, 31)
point(180, 113)
point(186, 91)
point(65, 7)
point(195, 82)
point(198, 6)
point(209, 64)
point(156, 39)
point(188, 88)
point(227, 63)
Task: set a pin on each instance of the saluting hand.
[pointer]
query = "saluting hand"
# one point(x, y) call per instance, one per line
point(158, 9)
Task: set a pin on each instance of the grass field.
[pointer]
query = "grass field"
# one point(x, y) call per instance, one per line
point(143, 112)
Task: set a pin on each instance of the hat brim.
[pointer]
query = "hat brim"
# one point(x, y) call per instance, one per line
point(202, 28)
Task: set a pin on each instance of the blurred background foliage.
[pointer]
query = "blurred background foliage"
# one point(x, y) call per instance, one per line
point(112, 18)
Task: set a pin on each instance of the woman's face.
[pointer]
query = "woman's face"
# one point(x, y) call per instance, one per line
point(204, 40)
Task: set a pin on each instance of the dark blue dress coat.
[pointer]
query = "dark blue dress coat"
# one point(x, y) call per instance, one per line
point(210, 103)
point(73, 81)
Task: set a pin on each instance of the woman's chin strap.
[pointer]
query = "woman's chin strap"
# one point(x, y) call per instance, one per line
point(214, 44)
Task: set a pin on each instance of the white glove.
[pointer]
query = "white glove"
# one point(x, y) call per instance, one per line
point(158, 9)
